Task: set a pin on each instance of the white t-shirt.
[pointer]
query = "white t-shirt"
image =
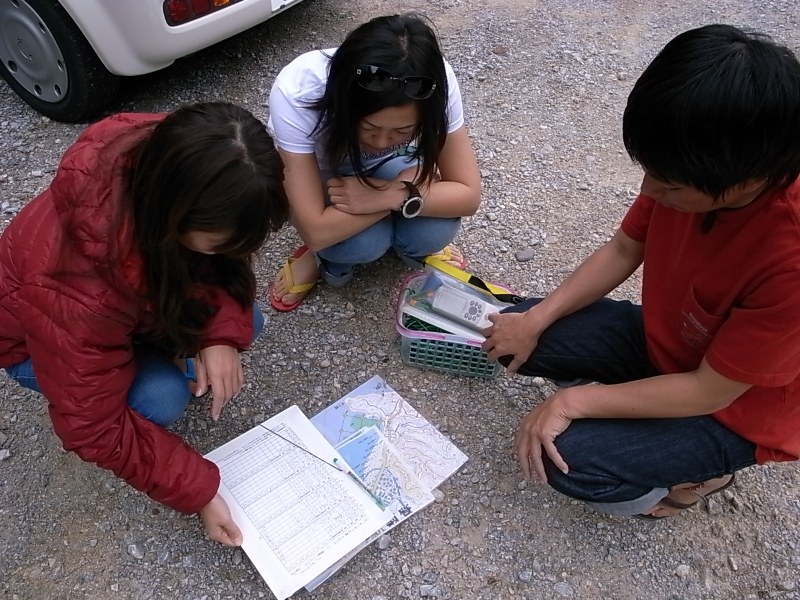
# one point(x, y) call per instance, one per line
point(302, 82)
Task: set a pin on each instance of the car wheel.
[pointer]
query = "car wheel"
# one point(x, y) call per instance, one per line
point(47, 61)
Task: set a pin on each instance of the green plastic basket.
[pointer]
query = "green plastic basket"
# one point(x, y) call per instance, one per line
point(426, 346)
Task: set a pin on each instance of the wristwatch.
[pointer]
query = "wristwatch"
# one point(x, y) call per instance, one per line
point(412, 205)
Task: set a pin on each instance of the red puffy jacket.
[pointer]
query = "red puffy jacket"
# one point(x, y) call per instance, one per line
point(72, 300)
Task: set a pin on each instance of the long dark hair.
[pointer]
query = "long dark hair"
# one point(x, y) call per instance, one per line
point(208, 167)
point(718, 106)
point(405, 45)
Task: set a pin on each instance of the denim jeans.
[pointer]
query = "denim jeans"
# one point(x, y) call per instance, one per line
point(624, 466)
point(160, 390)
point(412, 239)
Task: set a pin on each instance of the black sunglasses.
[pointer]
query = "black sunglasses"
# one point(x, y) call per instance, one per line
point(378, 79)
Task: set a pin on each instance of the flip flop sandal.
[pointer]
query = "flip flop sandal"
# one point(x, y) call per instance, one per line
point(446, 255)
point(302, 288)
point(670, 503)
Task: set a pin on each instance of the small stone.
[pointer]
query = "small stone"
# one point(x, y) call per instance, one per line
point(4, 454)
point(522, 485)
point(733, 563)
point(136, 551)
point(384, 541)
point(786, 586)
point(438, 495)
point(236, 559)
point(525, 255)
point(525, 576)
point(430, 577)
point(683, 571)
point(430, 591)
point(563, 589)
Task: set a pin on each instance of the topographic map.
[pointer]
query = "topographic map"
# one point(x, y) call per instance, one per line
point(395, 451)
point(430, 455)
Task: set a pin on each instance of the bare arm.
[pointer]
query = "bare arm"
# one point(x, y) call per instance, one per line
point(518, 333)
point(319, 226)
point(698, 392)
point(455, 192)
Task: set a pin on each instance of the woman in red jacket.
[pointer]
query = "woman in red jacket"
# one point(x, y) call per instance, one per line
point(136, 255)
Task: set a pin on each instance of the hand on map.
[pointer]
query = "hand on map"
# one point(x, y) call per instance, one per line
point(538, 430)
point(219, 524)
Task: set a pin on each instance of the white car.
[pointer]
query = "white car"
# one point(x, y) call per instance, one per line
point(65, 57)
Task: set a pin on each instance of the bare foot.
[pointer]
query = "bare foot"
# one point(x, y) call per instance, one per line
point(686, 495)
point(304, 270)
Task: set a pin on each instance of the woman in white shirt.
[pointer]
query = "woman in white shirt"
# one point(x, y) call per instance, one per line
point(377, 156)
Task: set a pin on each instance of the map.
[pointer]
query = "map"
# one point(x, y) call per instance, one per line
point(385, 473)
point(396, 452)
point(430, 455)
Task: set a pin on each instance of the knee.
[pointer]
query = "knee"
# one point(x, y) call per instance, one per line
point(162, 400)
point(365, 247)
point(424, 235)
point(585, 479)
point(258, 322)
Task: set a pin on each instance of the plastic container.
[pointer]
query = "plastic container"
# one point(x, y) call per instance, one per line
point(425, 344)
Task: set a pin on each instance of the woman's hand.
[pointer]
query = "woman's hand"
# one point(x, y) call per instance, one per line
point(512, 334)
point(220, 368)
point(218, 523)
point(350, 196)
point(538, 430)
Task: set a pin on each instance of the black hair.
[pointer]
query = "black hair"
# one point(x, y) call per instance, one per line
point(405, 45)
point(717, 107)
point(209, 167)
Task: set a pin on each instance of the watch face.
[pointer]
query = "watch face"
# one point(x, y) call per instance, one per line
point(412, 207)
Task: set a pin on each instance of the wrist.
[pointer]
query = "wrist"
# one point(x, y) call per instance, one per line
point(535, 322)
point(396, 195)
point(568, 401)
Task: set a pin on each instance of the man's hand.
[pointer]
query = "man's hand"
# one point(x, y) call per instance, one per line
point(218, 523)
point(511, 334)
point(220, 368)
point(538, 430)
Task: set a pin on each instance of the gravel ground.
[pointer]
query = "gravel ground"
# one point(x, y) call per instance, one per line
point(544, 85)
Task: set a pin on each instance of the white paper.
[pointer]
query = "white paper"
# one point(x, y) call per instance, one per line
point(297, 514)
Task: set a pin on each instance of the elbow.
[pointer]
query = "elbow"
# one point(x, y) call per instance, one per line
point(313, 239)
point(315, 243)
point(472, 203)
point(472, 209)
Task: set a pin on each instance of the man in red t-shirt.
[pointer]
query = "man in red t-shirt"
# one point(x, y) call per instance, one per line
point(703, 378)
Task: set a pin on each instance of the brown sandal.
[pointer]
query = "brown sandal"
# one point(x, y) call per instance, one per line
point(670, 503)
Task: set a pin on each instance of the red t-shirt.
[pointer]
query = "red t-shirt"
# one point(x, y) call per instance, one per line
point(731, 295)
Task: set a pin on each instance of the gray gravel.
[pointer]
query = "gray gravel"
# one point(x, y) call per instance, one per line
point(544, 84)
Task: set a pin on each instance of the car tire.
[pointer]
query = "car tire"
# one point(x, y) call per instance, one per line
point(48, 62)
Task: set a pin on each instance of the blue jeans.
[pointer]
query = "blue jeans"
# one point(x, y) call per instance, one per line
point(160, 390)
point(412, 239)
point(624, 466)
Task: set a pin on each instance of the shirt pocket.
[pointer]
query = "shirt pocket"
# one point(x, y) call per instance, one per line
point(698, 326)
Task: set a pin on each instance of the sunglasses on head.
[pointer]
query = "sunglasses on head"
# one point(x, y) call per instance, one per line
point(378, 79)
